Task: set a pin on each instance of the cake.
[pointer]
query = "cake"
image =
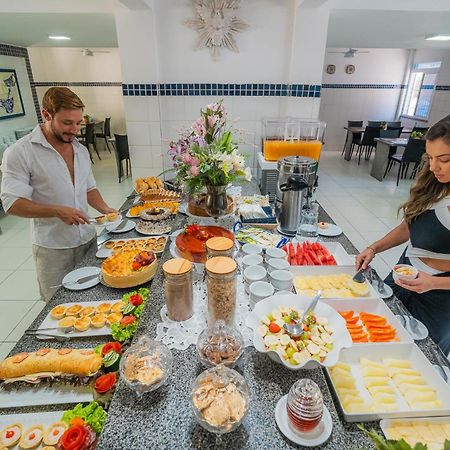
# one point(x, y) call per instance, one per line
point(191, 244)
point(129, 268)
point(196, 205)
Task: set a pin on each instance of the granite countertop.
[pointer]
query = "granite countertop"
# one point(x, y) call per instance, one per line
point(164, 418)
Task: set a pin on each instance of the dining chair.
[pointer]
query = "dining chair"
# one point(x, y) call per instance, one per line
point(394, 124)
point(420, 129)
point(414, 150)
point(398, 130)
point(356, 136)
point(88, 139)
point(106, 133)
point(367, 143)
point(122, 152)
point(374, 123)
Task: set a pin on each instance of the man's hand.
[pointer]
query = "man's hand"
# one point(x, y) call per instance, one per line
point(423, 283)
point(71, 216)
point(109, 210)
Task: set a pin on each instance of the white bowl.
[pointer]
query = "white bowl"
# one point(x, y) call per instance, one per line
point(251, 249)
point(283, 293)
point(397, 276)
point(341, 336)
point(277, 264)
point(260, 290)
point(254, 273)
point(282, 280)
point(274, 252)
point(252, 260)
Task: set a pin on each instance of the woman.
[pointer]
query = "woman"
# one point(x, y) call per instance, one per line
point(426, 227)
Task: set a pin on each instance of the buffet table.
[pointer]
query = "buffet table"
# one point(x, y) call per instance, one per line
point(163, 419)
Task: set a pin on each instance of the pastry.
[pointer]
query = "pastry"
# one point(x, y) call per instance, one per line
point(58, 312)
point(11, 435)
point(129, 268)
point(114, 317)
point(32, 437)
point(51, 361)
point(112, 217)
point(101, 219)
point(155, 214)
point(67, 322)
point(110, 244)
point(104, 308)
point(73, 310)
point(98, 320)
point(87, 311)
point(118, 306)
point(137, 209)
point(54, 432)
point(82, 324)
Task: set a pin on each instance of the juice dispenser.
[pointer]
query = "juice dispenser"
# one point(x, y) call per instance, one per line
point(290, 136)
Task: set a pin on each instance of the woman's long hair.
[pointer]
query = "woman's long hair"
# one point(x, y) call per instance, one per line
point(427, 190)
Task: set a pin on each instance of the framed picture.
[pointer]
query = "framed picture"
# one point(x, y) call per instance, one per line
point(349, 69)
point(11, 104)
point(331, 68)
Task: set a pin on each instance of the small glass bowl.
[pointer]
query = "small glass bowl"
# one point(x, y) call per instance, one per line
point(220, 344)
point(220, 399)
point(146, 365)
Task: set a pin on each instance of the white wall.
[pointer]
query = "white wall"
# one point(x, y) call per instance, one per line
point(29, 119)
point(283, 44)
point(69, 65)
point(338, 105)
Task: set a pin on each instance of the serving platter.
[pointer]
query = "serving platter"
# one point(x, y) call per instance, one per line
point(338, 251)
point(105, 252)
point(28, 420)
point(49, 322)
point(404, 351)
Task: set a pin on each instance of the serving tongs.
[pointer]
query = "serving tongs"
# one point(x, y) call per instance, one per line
point(42, 332)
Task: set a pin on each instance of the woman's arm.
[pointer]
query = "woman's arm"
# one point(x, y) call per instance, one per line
point(425, 282)
point(397, 236)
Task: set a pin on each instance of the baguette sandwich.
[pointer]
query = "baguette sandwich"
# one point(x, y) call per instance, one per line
point(50, 363)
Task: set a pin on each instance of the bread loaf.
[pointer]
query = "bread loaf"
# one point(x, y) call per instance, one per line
point(65, 361)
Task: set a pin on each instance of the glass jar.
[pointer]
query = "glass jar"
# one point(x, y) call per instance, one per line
point(219, 246)
point(178, 289)
point(308, 229)
point(221, 284)
point(304, 406)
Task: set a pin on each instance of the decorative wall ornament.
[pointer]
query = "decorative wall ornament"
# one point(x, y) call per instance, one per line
point(331, 68)
point(349, 69)
point(216, 23)
point(11, 104)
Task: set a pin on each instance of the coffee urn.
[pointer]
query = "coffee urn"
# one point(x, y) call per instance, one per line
point(296, 179)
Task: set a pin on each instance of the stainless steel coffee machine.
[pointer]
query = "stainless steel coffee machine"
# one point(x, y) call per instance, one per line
point(296, 179)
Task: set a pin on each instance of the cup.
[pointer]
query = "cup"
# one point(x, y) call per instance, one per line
point(282, 280)
point(251, 249)
point(308, 226)
point(277, 264)
point(259, 290)
point(283, 293)
point(254, 273)
point(252, 260)
point(404, 272)
point(275, 253)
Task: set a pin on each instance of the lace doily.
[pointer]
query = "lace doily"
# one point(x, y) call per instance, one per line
point(180, 335)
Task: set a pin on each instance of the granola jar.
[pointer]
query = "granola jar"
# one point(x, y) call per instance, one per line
point(178, 289)
point(221, 284)
point(219, 246)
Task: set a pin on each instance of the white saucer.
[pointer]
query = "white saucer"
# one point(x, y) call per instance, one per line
point(331, 231)
point(129, 225)
point(80, 273)
point(446, 370)
point(311, 439)
point(388, 291)
point(422, 330)
point(107, 223)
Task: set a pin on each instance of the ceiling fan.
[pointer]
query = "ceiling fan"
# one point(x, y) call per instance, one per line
point(90, 52)
point(351, 52)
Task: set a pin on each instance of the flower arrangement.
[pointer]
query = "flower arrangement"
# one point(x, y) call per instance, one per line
point(207, 154)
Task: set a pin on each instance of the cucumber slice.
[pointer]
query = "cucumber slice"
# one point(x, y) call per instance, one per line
point(111, 361)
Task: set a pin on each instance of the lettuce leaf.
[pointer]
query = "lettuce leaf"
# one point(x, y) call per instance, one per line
point(93, 414)
point(121, 333)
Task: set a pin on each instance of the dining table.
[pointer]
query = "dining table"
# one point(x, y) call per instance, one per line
point(381, 158)
point(164, 419)
point(359, 130)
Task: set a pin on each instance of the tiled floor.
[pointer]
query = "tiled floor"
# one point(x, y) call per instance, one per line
point(365, 209)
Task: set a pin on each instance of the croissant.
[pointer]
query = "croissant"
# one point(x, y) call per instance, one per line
point(66, 361)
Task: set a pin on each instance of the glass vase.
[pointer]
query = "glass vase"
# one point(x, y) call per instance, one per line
point(216, 200)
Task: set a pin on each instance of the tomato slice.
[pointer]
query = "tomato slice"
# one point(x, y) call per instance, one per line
point(115, 346)
point(105, 382)
point(127, 320)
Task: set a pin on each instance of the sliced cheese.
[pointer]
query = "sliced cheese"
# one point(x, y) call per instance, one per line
point(376, 381)
point(344, 382)
point(406, 379)
point(392, 362)
point(418, 396)
point(402, 371)
point(370, 371)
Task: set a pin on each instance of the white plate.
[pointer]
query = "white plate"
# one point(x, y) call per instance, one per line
point(388, 291)
point(80, 273)
point(311, 439)
point(419, 362)
point(113, 223)
point(371, 306)
point(341, 336)
point(331, 231)
point(340, 255)
point(28, 420)
point(422, 330)
point(330, 270)
point(129, 225)
point(104, 252)
point(49, 322)
point(38, 395)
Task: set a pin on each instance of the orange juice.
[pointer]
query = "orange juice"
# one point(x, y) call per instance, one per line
point(276, 149)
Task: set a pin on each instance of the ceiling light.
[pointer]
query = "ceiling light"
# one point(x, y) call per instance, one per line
point(59, 38)
point(439, 37)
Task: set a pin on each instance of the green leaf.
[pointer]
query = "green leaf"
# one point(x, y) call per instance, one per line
point(447, 445)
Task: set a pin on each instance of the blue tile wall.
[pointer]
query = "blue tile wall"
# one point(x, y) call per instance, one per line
point(364, 86)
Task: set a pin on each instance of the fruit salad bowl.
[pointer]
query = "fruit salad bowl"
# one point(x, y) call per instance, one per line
point(325, 332)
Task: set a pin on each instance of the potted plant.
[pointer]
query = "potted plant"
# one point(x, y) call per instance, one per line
point(417, 135)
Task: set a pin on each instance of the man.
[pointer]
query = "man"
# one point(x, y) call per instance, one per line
point(47, 177)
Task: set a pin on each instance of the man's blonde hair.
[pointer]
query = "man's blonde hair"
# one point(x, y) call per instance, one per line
point(57, 98)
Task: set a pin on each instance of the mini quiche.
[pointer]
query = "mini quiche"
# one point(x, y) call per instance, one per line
point(114, 318)
point(54, 432)
point(98, 320)
point(67, 322)
point(11, 435)
point(32, 437)
point(104, 308)
point(87, 311)
point(58, 312)
point(82, 324)
point(73, 310)
point(118, 307)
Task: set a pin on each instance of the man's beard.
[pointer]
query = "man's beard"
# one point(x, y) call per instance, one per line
point(62, 137)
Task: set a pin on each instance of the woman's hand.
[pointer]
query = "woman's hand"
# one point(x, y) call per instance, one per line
point(364, 258)
point(423, 283)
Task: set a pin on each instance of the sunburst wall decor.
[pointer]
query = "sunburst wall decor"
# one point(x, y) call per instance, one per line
point(216, 23)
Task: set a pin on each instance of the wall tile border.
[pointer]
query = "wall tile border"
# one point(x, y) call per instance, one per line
point(22, 52)
point(77, 83)
point(442, 87)
point(364, 86)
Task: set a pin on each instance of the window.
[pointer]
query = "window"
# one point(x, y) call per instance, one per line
point(420, 89)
